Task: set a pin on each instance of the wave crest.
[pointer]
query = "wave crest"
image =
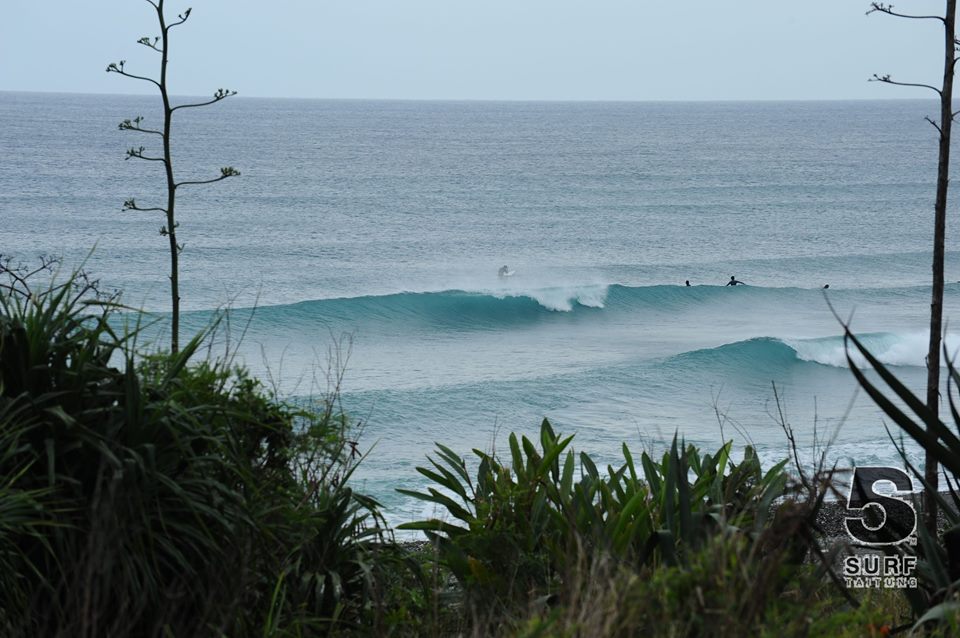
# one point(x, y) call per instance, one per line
point(517, 303)
point(560, 298)
point(892, 349)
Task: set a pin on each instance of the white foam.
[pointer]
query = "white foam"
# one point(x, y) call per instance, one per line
point(559, 298)
point(553, 288)
point(899, 349)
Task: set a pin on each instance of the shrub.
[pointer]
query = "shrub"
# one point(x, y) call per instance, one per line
point(145, 495)
point(514, 529)
point(727, 588)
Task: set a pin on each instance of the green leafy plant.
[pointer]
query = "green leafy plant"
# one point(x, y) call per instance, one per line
point(513, 528)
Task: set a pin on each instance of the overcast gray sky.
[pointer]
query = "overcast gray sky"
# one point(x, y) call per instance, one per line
point(489, 49)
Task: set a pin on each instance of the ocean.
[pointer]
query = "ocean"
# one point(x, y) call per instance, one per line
point(368, 235)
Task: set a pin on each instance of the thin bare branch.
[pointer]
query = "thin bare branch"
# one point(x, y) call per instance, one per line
point(131, 204)
point(880, 7)
point(225, 172)
point(18, 275)
point(117, 67)
point(886, 80)
point(150, 44)
point(220, 94)
point(11, 289)
point(934, 124)
point(15, 279)
point(181, 19)
point(141, 130)
point(138, 153)
point(134, 125)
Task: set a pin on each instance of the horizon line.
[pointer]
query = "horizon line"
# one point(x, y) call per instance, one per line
point(490, 100)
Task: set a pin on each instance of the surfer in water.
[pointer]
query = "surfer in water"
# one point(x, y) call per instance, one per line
point(688, 283)
point(734, 282)
point(504, 271)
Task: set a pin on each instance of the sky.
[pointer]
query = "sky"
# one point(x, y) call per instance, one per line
point(473, 49)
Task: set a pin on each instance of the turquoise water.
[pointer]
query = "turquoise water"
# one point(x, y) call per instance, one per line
point(381, 226)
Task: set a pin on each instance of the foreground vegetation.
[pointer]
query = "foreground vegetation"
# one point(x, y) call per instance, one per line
point(145, 495)
point(156, 494)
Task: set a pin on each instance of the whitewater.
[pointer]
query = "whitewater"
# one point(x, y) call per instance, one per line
point(366, 237)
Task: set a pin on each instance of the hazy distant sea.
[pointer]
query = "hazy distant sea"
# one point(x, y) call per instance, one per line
point(388, 221)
